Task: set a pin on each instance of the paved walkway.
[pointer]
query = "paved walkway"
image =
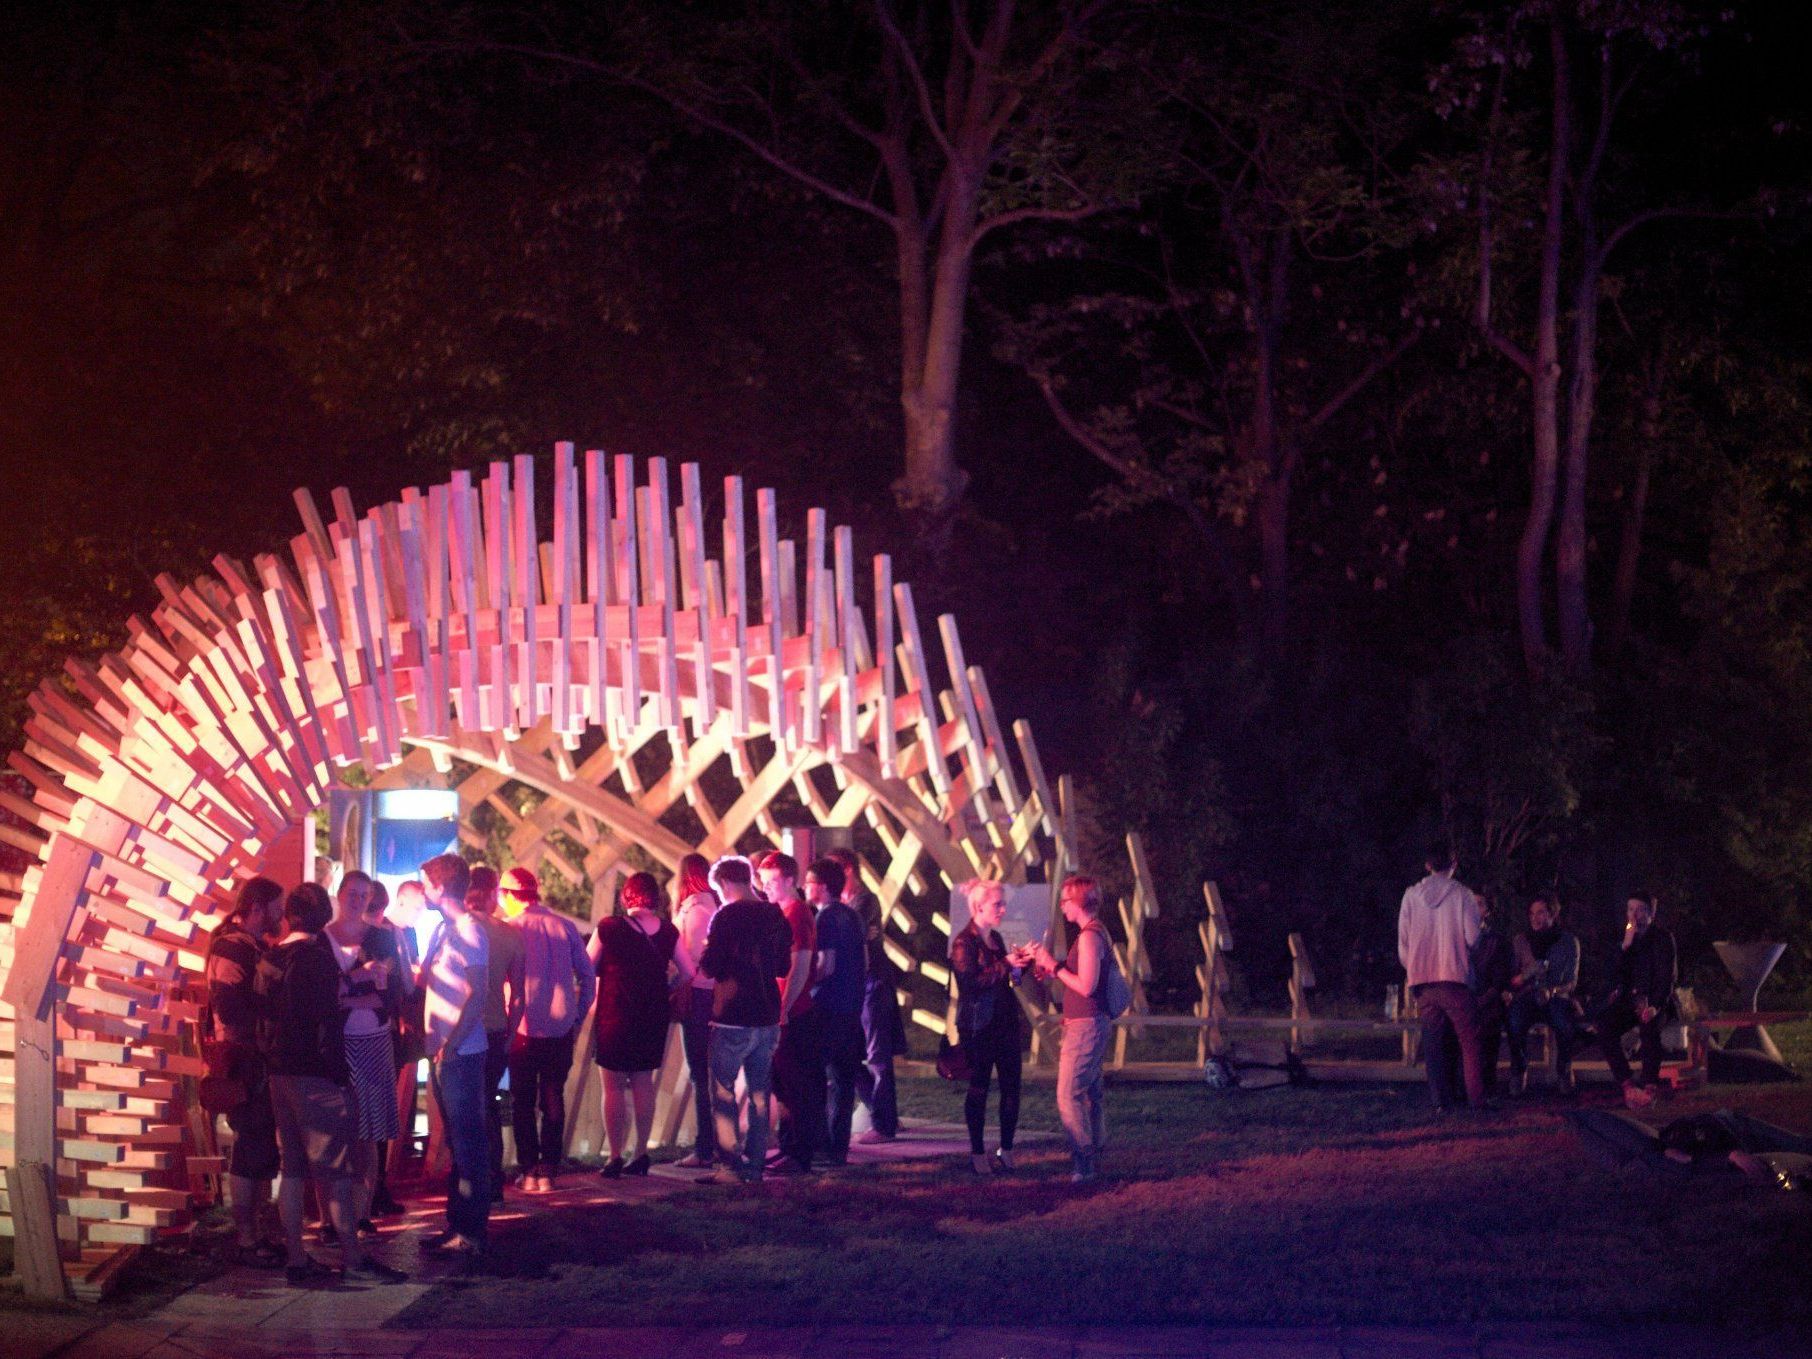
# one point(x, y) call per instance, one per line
point(252, 1314)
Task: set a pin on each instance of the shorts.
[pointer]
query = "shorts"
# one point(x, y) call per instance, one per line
point(314, 1126)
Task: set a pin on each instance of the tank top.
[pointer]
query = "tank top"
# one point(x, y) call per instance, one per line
point(1075, 1004)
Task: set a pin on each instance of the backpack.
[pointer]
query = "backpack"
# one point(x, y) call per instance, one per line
point(1114, 993)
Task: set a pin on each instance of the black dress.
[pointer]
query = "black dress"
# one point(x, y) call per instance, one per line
point(633, 1012)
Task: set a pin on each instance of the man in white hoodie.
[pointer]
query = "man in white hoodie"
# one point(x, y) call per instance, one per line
point(1436, 928)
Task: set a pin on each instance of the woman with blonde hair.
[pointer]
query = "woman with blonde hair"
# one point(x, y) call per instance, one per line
point(987, 1020)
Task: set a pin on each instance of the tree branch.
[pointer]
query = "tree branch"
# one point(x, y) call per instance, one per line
point(698, 115)
point(917, 73)
point(1367, 375)
point(1158, 488)
point(1658, 214)
point(1003, 219)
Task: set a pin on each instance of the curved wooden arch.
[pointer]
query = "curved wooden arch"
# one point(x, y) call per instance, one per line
point(444, 623)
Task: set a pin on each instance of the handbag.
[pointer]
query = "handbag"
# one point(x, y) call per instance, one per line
point(952, 1061)
point(222, 1089)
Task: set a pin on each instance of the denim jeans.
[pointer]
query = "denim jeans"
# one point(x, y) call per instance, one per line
point(841, 1038)
point(459, 1086)
point(749, 1052)
point(875, 1082)
point(1561, 1016)
point(538, 1071)
point(1079, 1104)
point(695, 1030)
point(1449, 1007)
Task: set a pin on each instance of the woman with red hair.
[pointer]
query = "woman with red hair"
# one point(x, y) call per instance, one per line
point(697, 905)
point(634, 952)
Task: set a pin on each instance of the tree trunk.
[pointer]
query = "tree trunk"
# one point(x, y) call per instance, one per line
point(1629, 549)
point(1531, 550)
point(933, 483)
point(1570, 546)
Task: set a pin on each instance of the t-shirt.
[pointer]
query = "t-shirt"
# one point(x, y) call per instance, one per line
point(506, 962)
point(746, 952)
point(840, 933)
point(803, 921)
point(459, 950)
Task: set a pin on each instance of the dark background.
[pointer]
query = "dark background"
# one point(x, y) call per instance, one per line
point(272, 245)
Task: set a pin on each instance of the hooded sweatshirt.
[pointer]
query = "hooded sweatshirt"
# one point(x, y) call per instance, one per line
point(1436, 928)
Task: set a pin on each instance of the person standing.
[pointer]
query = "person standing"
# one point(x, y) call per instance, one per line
point(633, 953)
point(1437, 925)
point(883, 1032)
point(502, 1007)
point(841, 978)
point(987, 1021)
point(1086, 1025)
point(1641, 998)
point(298, 986)
point(1541, 992)
point(454, 979)
point(749, 947)
point(1493, 968)
point(799, 1059)
point(371, 997)
point(233, 1008)
point(698, 903)
point(558, 985)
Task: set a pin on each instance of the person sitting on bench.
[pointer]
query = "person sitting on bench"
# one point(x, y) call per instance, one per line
point(1641, 998)
point(1547, 973)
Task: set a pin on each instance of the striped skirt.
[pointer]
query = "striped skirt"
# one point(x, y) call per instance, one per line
point(372, 1057)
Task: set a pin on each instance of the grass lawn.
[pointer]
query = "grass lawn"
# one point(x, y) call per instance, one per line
point(1282, 1207)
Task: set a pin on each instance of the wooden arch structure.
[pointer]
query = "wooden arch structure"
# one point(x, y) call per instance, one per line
point(654, 693)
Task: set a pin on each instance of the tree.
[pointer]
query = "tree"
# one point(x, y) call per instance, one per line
point(1251, 309)
point(1591, 57)
point(942, 123)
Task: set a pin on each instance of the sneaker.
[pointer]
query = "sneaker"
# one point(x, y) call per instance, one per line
point(611, 1169)
point(639, 1166)
point(548, 1183)
point(372, 1271)
point(874, 1137)
point(307, 1275)
point(787, 1167)
point(693, 1161)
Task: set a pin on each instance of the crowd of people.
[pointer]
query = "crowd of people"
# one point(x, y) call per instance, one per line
point(779, 981)
point(1476, 990)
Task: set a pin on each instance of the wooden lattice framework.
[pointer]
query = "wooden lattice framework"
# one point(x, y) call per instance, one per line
point(441, 627)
